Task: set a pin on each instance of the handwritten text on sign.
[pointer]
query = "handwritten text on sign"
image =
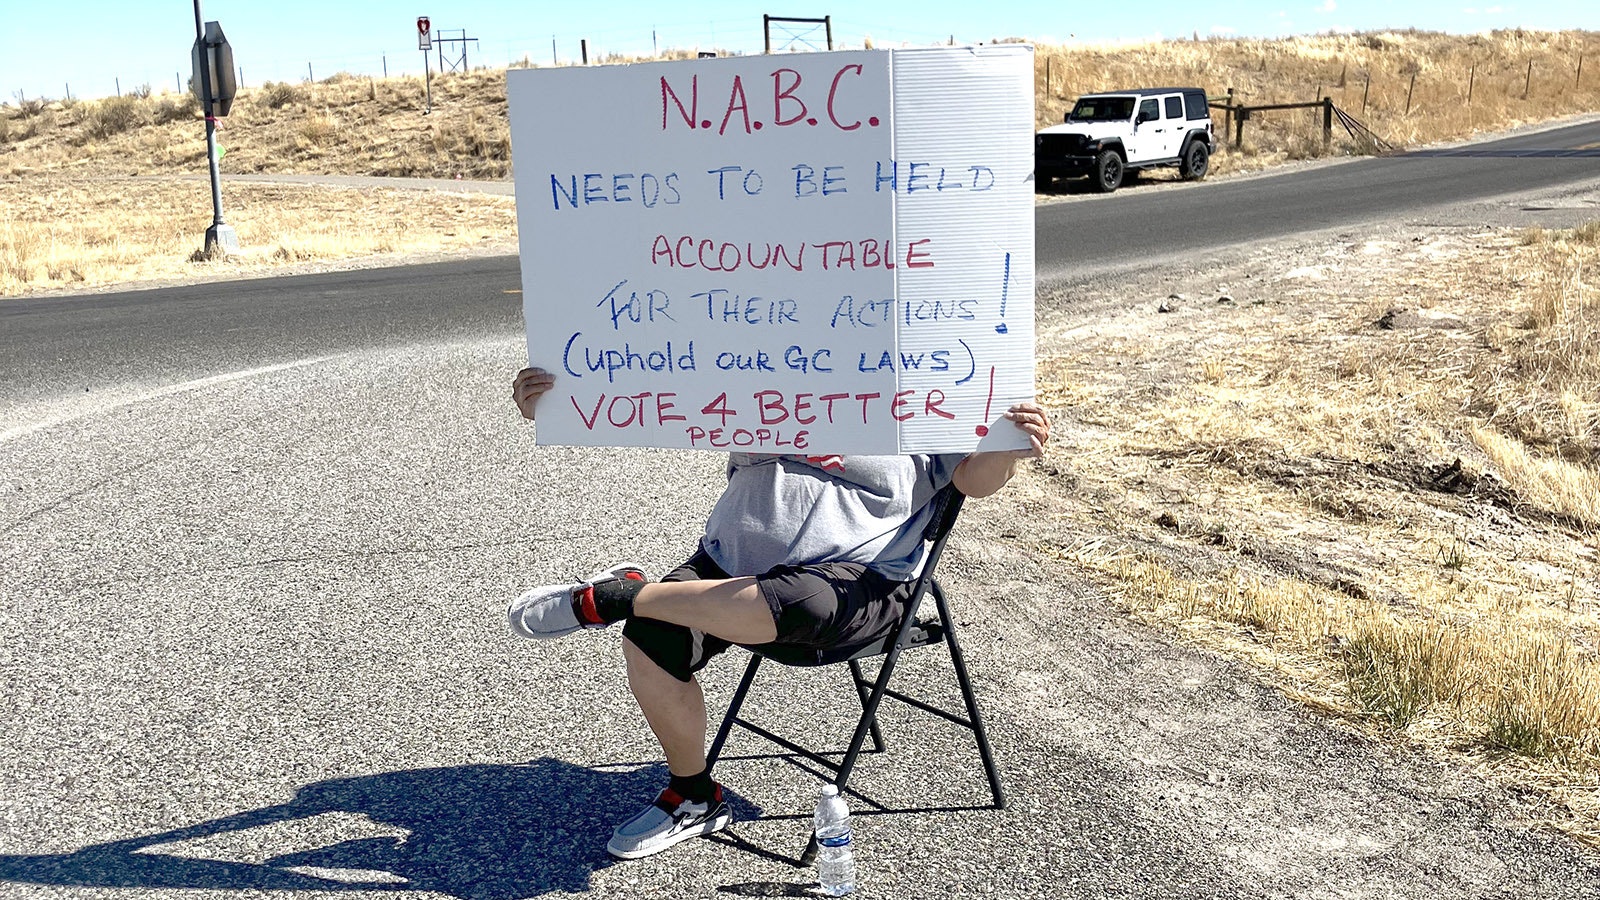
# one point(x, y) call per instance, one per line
point(780, 254)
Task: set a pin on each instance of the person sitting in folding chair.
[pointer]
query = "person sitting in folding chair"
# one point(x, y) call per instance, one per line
point(815, 552)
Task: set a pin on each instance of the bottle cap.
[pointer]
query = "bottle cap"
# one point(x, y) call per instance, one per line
point(829, 790)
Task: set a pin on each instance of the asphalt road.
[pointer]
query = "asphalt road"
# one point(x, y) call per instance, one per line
point(1150, 224)
point(99, 340)
point(255, 544)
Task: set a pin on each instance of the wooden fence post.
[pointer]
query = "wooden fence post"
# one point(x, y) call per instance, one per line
point(1409, 90)
point(1472, 76)
point(1327, 122)
point(1528, 87)
point(1579, 80)
point(1365, 91)
point(1238, 138)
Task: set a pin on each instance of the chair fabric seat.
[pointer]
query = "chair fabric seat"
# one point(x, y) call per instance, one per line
point(923, 633)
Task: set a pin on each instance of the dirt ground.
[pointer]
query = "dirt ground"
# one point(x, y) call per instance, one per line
point(1275, 454)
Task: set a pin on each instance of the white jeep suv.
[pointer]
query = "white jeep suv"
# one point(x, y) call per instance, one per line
point(1108, 135)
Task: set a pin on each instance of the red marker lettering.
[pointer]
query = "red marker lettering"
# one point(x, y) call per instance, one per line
point(664, 405)
point(899, 404)
point(589, 420)
point(828, 399)
point(833, 92)
point(865, 398)
point(689, 115)
point(781, 93)
point(736, 101)
point(770, 404)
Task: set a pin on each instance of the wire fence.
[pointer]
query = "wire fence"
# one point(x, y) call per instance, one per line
point(488, 49)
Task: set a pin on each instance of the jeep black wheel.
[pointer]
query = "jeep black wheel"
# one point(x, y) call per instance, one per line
point(1196, 162)
point(1041, 184)
point(1108, 170)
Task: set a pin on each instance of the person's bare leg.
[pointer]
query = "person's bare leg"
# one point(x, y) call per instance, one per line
point(730, 608)
point(676, 710)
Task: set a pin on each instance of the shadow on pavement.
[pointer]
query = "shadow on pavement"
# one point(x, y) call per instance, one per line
point(483, 832)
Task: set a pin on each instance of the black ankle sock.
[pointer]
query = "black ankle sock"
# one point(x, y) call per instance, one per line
point(613, 600)
point(694, 788)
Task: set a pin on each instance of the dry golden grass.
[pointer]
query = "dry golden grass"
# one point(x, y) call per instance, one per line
point(363, 126)
point(62, 233)
point(1380, 478)
point(1369, 76)
point(348, 125)
point(342, 126)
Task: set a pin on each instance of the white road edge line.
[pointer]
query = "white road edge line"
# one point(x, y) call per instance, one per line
point(11, 434)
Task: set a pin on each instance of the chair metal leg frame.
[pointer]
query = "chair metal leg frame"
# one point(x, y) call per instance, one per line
point(862, 685)
point(976, 724)
point(732, 716)
point(868, 723)
point(949, 507)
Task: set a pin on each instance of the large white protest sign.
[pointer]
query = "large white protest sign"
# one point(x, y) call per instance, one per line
point(818, 253)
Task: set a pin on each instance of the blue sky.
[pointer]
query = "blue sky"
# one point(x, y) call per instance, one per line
point(91, 44)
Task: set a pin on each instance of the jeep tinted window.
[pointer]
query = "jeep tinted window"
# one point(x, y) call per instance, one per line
point(1149, 110)
point(1195, 101)
point(1102, 109)
point(1174, 107)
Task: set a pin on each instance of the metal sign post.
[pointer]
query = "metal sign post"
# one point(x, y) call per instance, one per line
point(425, 43)
point(214, 83)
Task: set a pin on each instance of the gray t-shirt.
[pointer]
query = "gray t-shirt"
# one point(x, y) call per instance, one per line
point(793, 510)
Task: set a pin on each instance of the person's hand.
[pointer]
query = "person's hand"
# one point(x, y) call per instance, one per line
point(984, 472)
point(1035, 423)
point(529, 385)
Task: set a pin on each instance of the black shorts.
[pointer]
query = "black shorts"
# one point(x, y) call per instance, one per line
point(817, 607)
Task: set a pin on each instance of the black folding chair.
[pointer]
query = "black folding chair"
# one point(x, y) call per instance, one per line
point(913, 632)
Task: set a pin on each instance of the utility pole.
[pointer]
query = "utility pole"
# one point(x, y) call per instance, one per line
point(221, 239)
point(424, 43)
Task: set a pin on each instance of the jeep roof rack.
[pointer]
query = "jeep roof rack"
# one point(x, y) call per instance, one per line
point(1141, 92)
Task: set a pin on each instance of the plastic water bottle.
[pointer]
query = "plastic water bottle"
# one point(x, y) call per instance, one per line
point(836, 864)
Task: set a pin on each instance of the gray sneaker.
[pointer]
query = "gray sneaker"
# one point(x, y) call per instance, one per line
point(669, 820)
point(560, 609)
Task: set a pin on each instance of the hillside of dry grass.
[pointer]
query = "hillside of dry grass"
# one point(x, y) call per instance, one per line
point(1409, 87)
